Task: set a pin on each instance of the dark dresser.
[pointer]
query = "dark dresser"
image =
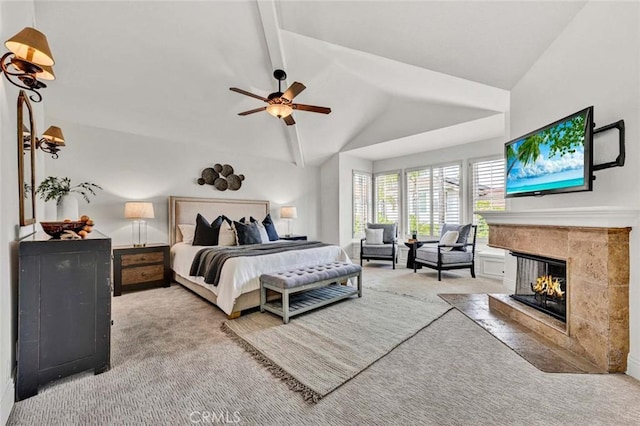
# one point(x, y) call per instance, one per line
point(64, 309)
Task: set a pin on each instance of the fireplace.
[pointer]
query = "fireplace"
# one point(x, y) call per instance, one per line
point(596, 283)
point(541, 283)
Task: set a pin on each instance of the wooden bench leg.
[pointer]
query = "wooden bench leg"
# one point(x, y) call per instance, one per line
point(263, 297)
point(285, 306)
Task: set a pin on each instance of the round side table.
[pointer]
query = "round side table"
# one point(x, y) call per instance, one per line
point(412, 254)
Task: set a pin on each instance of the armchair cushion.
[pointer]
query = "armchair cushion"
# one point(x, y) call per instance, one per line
point(430, 254)
point(463, 233)
point(390, 231)
point(374, 236)
point(378, 249)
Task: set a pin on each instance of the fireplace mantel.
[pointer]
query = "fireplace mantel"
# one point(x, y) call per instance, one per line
point(598, 217)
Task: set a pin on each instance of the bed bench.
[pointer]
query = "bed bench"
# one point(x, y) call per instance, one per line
point(308, 288)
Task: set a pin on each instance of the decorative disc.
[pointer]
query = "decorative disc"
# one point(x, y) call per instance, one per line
point(217, 168)
point(234, 182)
point(226, 170)
point(221, 184)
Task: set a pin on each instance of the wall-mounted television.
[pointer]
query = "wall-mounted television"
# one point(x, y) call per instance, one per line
point(553, 159)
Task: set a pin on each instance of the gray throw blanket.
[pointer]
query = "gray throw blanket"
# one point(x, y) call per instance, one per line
point(208, 262)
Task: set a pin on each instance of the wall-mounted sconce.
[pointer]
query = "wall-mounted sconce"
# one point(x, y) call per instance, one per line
point(28, 61)
point(51, 142)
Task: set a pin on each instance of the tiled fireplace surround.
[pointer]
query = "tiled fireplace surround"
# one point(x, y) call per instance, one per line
point(597, 326)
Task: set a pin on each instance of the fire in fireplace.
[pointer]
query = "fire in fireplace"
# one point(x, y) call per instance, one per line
point(541, 284)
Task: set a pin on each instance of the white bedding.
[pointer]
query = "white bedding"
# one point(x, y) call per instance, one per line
point(241, 274)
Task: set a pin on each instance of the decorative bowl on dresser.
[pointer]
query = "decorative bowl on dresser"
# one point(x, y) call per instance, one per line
point(138, 268)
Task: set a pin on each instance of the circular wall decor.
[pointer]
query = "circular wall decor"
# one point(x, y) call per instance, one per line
point(222, 177)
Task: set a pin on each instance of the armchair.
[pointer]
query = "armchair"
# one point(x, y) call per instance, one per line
point(443, 257)
point(388, 250)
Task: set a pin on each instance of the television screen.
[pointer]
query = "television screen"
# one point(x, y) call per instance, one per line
point(556, 158)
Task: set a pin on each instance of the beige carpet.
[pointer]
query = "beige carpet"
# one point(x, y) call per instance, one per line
point(171, 365)
point(319, 351)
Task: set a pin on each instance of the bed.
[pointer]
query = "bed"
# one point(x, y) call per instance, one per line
point(239, 286)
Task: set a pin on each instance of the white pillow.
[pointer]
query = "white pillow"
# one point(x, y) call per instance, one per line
point(374, 236)
point(263, 232)
point(449, 237)
point(187, 232)
point(227, 235)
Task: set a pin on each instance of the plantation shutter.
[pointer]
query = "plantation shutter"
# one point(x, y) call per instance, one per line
point(361, 202)
point(487, 191)
point(387, 197)
point(446, 196)
point(419, 201)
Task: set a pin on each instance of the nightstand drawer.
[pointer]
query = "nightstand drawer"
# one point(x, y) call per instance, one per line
point(142, 274)
point(142, 258)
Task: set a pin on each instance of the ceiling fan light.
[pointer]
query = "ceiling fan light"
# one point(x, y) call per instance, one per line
point(279, 110)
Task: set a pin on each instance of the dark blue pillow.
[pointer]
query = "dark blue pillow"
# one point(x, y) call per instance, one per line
point(247, 233)
point(271, 228)
point(206, 234)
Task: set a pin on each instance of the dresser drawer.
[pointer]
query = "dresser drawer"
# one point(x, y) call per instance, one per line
point(142, 274)
point(142, 258)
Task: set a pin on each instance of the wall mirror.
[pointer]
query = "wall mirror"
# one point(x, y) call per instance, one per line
point(26, 161)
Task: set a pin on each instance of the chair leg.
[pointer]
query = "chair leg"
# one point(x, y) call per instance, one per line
point(473, 270)
point(439, 275)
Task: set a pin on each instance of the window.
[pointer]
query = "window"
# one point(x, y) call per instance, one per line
point(487, 190)
point(387, 197)
point(361, 202)
point(433, 198)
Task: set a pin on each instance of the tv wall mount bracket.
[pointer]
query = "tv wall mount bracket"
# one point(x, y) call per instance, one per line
point(619, 161)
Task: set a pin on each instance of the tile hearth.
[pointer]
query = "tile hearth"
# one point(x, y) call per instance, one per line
point(544, 354)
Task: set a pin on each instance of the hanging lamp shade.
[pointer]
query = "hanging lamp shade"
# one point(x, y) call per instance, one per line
point(46, 74)
point(54, 135)
point(31, 45)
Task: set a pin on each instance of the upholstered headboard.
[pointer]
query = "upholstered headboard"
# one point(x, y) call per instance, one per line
point(183, 210)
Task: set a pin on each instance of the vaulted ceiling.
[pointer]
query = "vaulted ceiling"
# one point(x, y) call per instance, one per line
point(400, 77)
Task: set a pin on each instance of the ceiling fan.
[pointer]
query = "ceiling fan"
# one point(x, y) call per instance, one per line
point(280, 104)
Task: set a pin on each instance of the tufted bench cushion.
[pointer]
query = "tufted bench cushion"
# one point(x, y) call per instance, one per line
point(310, 274)
point(308, 288)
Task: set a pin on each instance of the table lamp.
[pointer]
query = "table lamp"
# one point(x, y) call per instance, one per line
point(289, 213)
point(138, 211)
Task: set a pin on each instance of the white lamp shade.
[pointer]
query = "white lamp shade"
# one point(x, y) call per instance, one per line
point(288, 212)
point(138, 210)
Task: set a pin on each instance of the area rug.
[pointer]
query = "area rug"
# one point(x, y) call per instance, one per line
point(318, 352)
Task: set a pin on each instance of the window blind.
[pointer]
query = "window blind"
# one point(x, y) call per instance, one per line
point(387, 197)
point(433, 198)
point(361, 202)
point(487, 191)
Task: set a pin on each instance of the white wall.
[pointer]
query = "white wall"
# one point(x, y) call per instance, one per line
point(337, 198)
point(13, 17)
point(595, 61)
point(132, 167)
point(330, 200)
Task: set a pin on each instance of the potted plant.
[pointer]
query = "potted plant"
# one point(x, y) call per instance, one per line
point(55, 188)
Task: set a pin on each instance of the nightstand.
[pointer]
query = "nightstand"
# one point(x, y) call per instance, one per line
point(137, 268)
point(294, 237)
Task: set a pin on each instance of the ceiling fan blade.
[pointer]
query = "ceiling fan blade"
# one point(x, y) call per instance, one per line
point(251, 111)
point(293, 90)
point(312, 108)
point(289, 120)
point(244, 92)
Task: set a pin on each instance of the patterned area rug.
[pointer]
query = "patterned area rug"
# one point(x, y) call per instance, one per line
point(320, 351)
